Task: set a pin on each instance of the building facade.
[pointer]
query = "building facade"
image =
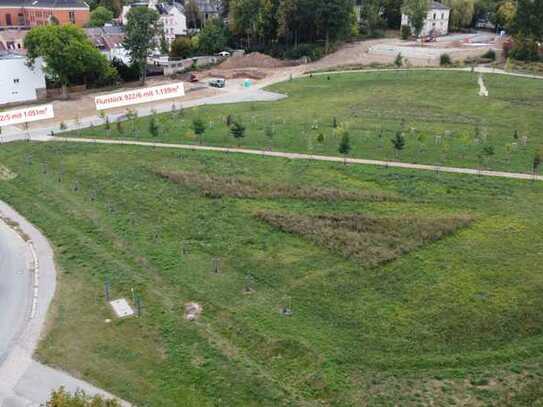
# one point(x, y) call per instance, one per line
point(208, 9)
point(13, 40)
point(19, 82)
point(31, 13)
point(172, 17)
point(437, 20)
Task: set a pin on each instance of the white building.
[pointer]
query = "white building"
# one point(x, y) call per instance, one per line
point(437, 20)
point(18, 82)
point(172, 17)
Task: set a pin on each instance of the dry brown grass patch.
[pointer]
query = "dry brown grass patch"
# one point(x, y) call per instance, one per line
point(370, 240)
point(215, 186)
point(6, 174)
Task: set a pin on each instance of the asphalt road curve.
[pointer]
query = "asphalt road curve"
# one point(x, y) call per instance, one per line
point(15, 287)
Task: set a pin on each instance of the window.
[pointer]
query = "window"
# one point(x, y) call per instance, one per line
point(435, 16)
point(443, 16)
point(16, 81)
point(72, 16)
point(8, 19)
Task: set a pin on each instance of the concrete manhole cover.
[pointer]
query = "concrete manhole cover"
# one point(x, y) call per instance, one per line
point(121, 308)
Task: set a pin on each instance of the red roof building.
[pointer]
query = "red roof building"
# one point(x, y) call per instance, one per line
point(30, 13)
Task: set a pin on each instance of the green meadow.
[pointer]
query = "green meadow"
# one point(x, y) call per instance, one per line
point(320, 283)
point(440, 114)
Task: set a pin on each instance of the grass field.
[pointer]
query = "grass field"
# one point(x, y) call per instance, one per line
point(435, 296)
point(441, 114)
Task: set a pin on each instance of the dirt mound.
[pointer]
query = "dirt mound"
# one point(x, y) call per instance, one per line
point(236, 73)
point(254, 60)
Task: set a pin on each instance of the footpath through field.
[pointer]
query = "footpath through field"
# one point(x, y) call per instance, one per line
point(300, 156)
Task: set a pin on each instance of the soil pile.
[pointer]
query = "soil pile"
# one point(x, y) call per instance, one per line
point(254, 60)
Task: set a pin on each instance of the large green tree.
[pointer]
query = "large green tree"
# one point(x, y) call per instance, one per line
point(392, 13)
point(213, 37)
point(193, 14)
point(100, 16)
point(69, 56)
point(416, 10)
point(529, 19)
point(462, 12)
point(142, 30)
point(243, 19)
point(334, 19)
point(506, 13)
point(115, 6)
point(372, 15)
point(181, 48)
point(267, 22)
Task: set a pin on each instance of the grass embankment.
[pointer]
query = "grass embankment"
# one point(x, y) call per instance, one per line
point(442, 116)
point(454, 313)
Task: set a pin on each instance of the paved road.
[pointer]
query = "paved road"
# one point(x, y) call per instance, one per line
point(27, 286)
point(299, 156)
point(15, 282)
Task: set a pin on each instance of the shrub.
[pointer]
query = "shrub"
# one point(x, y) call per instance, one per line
point(490, 54)
point(525, 49)
point(153, 127)
point(445, 59)
point(181, 48)
point(127, 73)
point(405, 32)
point(237, 130)
point(398, 61)
point(62, 398)
point(312, 51)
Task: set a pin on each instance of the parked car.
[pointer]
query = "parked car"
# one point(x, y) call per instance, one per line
point(217, 83)
point(224, 54)
point(193, 78)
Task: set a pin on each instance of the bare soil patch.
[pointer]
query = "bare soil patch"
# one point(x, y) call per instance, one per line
point(251, 73)
point(255, 60)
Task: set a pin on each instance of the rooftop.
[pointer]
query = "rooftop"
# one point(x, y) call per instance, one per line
point(45, 3)
point(434, 5)
point(206, 6)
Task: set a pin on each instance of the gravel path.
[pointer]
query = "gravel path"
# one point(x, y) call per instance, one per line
point(299, 156)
